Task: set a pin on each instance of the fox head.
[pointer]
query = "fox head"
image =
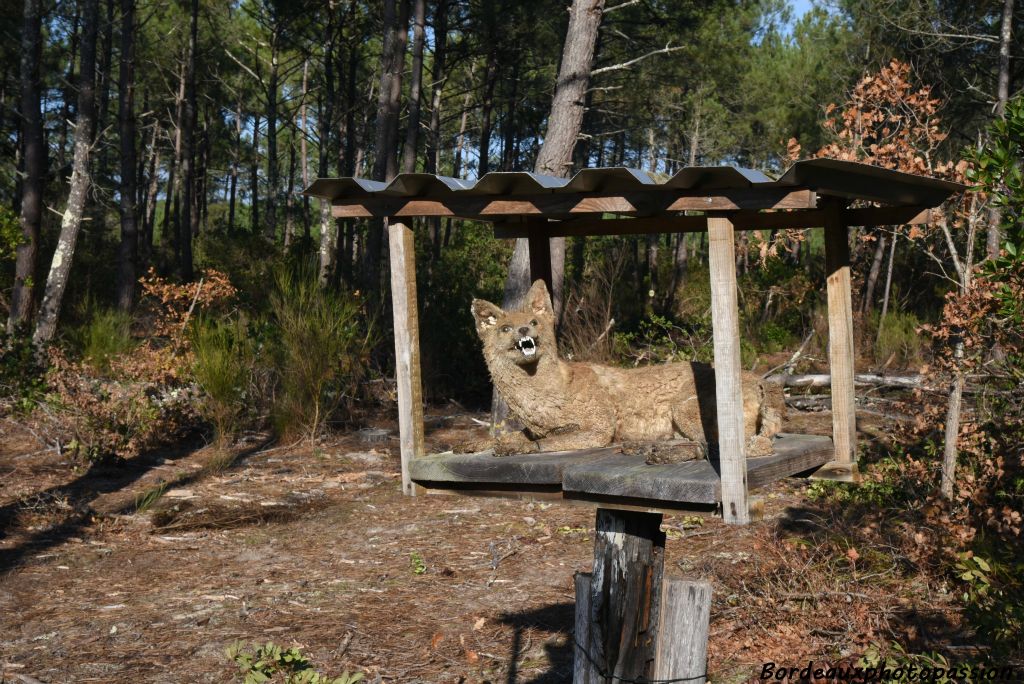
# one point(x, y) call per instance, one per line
point(521, 337)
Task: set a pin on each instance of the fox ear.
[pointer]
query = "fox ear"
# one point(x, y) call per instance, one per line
point(538, 300)
point(485, 313)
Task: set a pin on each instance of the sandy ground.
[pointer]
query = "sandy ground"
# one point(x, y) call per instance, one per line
point(314, 546)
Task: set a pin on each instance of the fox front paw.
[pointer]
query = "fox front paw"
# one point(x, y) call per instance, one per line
point(510, 443)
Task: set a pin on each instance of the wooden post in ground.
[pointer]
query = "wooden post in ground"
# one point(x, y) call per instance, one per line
point(621, 627)
point(725, 324)
point(407, 346)
point(840, 335)
point(682, 650)
point(584, 668)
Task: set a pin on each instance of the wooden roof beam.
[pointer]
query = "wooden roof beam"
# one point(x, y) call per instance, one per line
point(742, 220)
point(642, 203)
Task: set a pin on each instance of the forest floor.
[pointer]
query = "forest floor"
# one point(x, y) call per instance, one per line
point(315, 546)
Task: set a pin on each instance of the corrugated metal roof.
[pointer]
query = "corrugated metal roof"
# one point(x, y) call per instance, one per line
point(852, 180)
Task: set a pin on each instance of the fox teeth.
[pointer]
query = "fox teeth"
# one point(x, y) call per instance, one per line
point(527, 346)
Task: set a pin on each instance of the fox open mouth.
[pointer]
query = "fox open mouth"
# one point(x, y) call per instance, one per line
point(527, 345)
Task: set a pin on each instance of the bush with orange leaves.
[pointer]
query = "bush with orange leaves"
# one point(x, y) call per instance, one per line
point(145, 398)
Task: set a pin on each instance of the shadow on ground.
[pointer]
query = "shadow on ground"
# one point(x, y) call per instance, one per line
point(557, 619)
point(102, 477)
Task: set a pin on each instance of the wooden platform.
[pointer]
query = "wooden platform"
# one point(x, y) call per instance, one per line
point(608, 476)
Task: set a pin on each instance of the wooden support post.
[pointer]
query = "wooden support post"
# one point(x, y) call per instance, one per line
point(624, 601)
point(407, 346)
point(682, 653)
point(725, 326)
point(539, 244)
point(840, 335)
point(584, 668)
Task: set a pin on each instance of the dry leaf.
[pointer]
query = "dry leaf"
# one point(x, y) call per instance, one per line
point(852, 554)
point(479, 624)
point(436, 639)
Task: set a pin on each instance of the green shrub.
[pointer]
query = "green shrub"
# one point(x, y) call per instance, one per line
point(107, 335)
point(223, 364)
point(897, 337)
point(271, 663)
point(22, 373)
point(322, 348)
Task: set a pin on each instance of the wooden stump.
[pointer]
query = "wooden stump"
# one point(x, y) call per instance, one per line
point(624, 601)
point(682, 650)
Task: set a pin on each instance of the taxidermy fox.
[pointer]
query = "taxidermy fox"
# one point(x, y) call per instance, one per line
point(569, 405)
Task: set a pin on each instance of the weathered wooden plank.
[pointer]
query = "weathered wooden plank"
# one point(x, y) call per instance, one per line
point(840, 334)
point(793, 454)
point(625, 592)
point(407, 347)
point(725, 325)
point(566, 204)
point(742, 220)
point(682, 649)
point(486, 468)
point(629, 476)
point(693, 482)
point(584, 669)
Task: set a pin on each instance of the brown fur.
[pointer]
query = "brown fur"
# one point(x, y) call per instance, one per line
point(568, 405)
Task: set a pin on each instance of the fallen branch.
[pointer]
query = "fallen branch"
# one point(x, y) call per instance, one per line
point(825, 380)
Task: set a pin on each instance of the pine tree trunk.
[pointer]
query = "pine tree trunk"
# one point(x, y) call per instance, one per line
point(170, 227)
point(34, 146)
point(995, 217)
point(555, 157)
point(254, 178)
point(236, 155)
point(325, 116)
point(876, 268)
point(486, 109)
point(60, 267)
point(415, 87)
point(146, 246)
point(188, 224)
point(272, 171)
point(304, 150)
point(437, 76)
point(388, 105)
point(127, 254)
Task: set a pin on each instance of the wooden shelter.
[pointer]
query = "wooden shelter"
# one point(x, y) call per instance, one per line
point(719, 200)
point(631, 622)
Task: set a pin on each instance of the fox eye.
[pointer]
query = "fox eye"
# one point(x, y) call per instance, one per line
point(533, 322)
point(506, 328)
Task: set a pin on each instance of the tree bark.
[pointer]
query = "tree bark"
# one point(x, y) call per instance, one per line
point(876, 268)
point(555, 157)
point(236, 154)
point(564, 123)
point(487, 108)
point(994, 237)
point(254, 178)
point(437, 75)
point(188, 225)
point(888, 286)
point(104, 57)
point(304, 149)
point(272, 171)
point(148, 225)
point(415, 87)
point(127, 254)
point(388, 103)
point(60, 267)
point(34, 146)
point(325, 118)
